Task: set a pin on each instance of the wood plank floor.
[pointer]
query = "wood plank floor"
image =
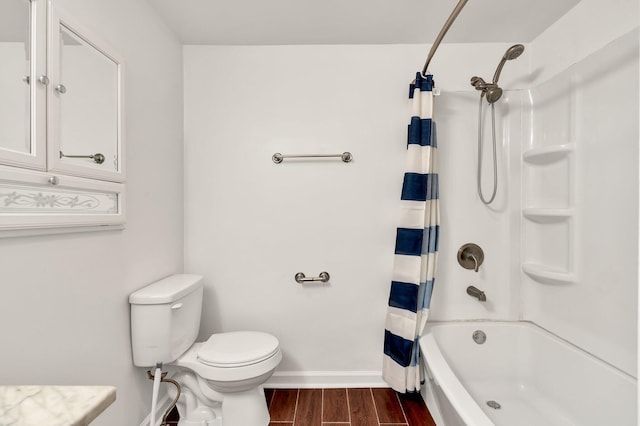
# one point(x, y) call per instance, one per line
point(343, 407)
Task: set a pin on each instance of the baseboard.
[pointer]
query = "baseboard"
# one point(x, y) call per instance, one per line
point(161, 407)
point(326, 379)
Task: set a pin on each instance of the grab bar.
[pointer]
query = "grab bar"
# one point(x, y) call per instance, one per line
point(302, 278)
point(345, 156)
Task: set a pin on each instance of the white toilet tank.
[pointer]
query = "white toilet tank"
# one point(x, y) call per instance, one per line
point(165, 319)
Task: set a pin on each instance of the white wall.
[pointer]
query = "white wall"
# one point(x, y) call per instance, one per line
point(63, 305)
point(593, 104)
point(252, 224)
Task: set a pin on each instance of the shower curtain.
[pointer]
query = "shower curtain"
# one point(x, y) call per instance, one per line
point(416, 250)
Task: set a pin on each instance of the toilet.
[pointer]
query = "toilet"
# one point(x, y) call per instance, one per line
point(220, 379)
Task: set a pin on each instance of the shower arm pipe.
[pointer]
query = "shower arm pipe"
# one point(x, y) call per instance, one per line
point(443, 31)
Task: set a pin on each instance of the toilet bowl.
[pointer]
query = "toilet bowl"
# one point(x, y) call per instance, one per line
point(220, 379)
point(234, 365)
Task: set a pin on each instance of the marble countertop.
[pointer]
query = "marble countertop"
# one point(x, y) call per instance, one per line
point(53, 405)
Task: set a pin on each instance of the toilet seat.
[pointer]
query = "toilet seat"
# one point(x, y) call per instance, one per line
point(264, 361)
point(237, 349)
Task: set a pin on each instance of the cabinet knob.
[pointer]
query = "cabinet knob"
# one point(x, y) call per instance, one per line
point(53, 180)
point(44, 80)
point(60, 88)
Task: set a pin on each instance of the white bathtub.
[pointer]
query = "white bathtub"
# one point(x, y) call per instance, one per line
point(537, 378)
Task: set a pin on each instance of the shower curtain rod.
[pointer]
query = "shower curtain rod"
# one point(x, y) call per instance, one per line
point(442, 33)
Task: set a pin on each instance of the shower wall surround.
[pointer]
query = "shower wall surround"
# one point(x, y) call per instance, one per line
point(583, 235)
point(580, 200)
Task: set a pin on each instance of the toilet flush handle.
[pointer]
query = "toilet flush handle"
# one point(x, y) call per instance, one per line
point(176, 306)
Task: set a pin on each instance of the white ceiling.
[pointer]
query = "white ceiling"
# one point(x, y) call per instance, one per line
point(256, 22)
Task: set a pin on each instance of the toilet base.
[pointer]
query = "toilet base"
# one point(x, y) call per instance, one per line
point(238, 409)
point(245, 408)
point(200, 405)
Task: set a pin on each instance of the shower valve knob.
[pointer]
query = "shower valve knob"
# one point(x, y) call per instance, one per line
point(470, 256)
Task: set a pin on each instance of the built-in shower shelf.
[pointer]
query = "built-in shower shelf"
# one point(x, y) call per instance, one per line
point(546, 214)
point(544, 274)
point(548, 154)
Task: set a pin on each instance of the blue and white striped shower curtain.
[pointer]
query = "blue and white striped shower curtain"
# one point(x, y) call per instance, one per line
point(416, 251)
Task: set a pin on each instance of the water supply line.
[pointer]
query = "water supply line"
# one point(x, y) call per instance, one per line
point(154, 394)
point(158, 377)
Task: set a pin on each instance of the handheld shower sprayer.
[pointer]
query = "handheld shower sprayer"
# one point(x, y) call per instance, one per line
point(512, 53)
point(492, 92)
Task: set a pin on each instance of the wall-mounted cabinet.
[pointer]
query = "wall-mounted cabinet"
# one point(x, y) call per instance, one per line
point(61, 121)
point(32, 200)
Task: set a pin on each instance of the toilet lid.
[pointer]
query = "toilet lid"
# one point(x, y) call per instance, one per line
point(238, 348)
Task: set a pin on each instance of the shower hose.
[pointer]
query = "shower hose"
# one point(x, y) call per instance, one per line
point(480, 144)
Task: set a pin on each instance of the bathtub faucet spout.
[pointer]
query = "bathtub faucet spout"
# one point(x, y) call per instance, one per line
point(477, 293)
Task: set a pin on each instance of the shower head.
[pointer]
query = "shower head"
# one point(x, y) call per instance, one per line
point(512, 53)
point(492, 91)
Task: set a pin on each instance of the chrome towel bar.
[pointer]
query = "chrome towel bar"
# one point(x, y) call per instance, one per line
point(345, 156)
point(302, 278)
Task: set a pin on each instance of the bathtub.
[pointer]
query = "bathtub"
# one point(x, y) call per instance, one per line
point(530, 376)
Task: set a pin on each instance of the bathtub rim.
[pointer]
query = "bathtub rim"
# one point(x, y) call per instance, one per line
point(458, 396)
point(538, 329)
point(466, 407)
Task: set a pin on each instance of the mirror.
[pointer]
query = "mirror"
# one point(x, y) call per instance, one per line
point(15, 76)
point(87, 89)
